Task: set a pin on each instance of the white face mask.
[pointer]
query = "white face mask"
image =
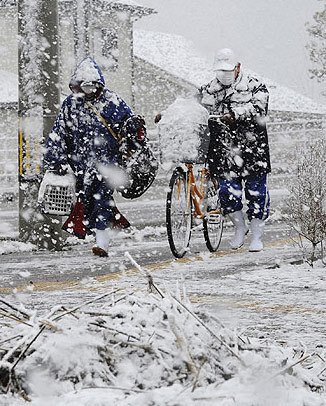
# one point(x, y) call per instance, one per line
point(226, 77)
point(89, 87)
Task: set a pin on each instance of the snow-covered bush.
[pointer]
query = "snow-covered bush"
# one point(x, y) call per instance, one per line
point(145, 350)
point(307, 202)
point(181, 129)
point(316, 46)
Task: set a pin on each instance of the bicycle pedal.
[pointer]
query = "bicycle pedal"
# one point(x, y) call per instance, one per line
point(198, 227)
point(213, 218)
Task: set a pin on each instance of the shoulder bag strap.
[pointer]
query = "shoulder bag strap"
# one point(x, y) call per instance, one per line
point(116, 136)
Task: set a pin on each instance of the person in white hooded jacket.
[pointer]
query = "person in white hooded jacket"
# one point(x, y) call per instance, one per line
point(239, 151)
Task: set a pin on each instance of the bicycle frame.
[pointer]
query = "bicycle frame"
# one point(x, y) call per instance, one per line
point(192, 197)
point(195, 193)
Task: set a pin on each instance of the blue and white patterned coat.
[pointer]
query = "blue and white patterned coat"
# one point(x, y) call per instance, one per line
point(79, 139)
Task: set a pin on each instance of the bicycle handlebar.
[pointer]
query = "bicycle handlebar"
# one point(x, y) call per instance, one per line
point(214, 116)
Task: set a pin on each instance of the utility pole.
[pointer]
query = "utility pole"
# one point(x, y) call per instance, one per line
point(38, 104)
point(81, 29)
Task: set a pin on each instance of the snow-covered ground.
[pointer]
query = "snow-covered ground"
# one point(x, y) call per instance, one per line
point(267, 308)
point(228, 331)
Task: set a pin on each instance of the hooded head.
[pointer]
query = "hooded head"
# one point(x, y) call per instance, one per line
point(87, 80)
point(226, 66)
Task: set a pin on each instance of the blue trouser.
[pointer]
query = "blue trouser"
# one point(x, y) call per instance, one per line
point(98, 201)
point(256, 193)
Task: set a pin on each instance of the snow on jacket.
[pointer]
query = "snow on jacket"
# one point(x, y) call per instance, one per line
point(80, 140)
point(243, 151)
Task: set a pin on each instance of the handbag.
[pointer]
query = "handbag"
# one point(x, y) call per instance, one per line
point(141, 167)
point(138, 159)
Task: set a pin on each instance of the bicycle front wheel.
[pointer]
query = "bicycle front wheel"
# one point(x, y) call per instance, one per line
point(213, 219)
point(178, 214)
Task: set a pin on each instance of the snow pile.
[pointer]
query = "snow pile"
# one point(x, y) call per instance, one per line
point(145, 349)
point(182, 130)
point(11, 246)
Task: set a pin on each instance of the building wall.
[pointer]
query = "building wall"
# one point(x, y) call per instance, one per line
point(8, 149)
point(8, 39)
point(155, 89)
point(288, 132)
point(8, 112)
point(117, 78)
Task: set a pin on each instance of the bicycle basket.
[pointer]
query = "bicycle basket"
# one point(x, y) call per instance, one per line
point(182, 132)
point(57, 194)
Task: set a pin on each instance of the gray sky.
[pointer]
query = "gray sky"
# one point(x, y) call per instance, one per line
point(268, 35)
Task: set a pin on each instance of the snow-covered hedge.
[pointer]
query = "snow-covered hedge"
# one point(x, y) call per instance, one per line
point(141, 349)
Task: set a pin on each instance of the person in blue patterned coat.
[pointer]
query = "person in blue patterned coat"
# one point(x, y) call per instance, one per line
point(239, 150)
point(80, 140)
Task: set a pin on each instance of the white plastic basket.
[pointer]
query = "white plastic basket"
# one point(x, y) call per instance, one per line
point(57, 193)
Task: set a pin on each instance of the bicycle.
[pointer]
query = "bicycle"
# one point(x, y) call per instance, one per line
point(189, 200)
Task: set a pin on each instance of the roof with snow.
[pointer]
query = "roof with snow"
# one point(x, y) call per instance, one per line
point(133, 6)
point(4, 3)
point(178, 56)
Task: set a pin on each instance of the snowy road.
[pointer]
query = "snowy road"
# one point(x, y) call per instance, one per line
point(252, 295)
point(261, 293)
point(148, 246)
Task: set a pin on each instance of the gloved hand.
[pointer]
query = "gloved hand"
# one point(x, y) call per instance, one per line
point(134, 122)
point(133, 134)
point(157, 118)
point(59, 170)
point(228, 119)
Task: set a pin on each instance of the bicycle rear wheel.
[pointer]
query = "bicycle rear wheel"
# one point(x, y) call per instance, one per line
point(213, 219)
point(178, 214)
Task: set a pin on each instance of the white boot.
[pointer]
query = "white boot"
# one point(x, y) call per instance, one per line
point(102, 243)
point(257, 230)
point(241, 229)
